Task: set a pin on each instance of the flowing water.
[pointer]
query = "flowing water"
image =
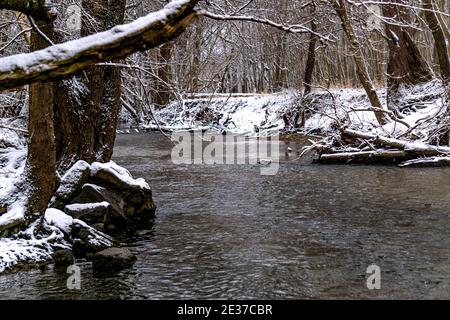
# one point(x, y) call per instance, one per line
point(308, 232)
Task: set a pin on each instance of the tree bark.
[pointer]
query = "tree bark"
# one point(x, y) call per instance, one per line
point(88, 118)
point(361, 67)
point(311, 60)
point(405, 64)
point(41, 158)
point(38, 9)
point(439, 40)
point(163, 90)
point(440, 44)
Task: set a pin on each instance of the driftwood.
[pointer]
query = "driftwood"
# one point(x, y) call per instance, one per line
point(418, 148)
point(427, 162)
point(380, 149)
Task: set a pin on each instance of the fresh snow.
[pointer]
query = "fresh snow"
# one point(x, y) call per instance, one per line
point(262, 113)
point(70, 179)
point(59, 219)
point(238, 114)
point(121, 173)
point(14, 216)
point(42, 60)
point(26, 249)
point(87, 206)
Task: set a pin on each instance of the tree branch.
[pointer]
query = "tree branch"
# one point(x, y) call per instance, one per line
point(63, 60)
point(298, 28)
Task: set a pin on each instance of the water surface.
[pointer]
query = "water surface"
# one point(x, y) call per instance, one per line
point(309, 232)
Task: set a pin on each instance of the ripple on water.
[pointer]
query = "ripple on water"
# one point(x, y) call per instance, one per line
point(308, 232)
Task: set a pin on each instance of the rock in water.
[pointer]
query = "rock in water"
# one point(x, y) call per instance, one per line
point(87, 240)
point(92, 213)
point(113, 259)
point(63, 258)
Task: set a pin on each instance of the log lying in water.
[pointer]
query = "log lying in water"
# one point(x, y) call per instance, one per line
point(427, 162)
point(383, 150)
point(411, 147)
point(378, 156)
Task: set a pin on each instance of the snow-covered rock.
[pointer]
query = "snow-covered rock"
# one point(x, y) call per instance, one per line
point(118, 177)
point(96, 214)
point(59, 219)
point(13, 218)
point(73, 180)
point(88, 240)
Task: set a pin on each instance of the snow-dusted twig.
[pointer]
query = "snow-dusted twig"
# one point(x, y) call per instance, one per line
point(298, 28)
point(14, 129)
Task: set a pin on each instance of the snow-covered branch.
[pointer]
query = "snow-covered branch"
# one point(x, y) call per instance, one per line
point(298, 28)
point(66, 59)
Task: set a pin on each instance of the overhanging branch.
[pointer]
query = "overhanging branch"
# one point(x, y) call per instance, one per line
point(63, 60)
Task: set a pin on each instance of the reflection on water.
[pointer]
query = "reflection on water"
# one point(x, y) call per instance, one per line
point(308, 232)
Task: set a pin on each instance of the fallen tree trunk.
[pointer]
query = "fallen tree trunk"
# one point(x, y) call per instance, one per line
point(427, 162)
point(376, 156)
point(381, 150)
point(411, 147)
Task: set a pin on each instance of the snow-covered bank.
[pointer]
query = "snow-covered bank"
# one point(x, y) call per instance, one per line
point(325, 109)
point(238, 114)
point(32, 248)
point(418, 119)
point(91, 200)
point(12, 163)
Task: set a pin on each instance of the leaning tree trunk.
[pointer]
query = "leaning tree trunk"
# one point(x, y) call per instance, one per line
point(439, 40)
point(41, 159)
point(361, 66)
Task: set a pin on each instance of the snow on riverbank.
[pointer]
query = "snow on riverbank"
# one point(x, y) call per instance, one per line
point(325, 110)
point(12, 163)
point(25, 249)
point(241, 114)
